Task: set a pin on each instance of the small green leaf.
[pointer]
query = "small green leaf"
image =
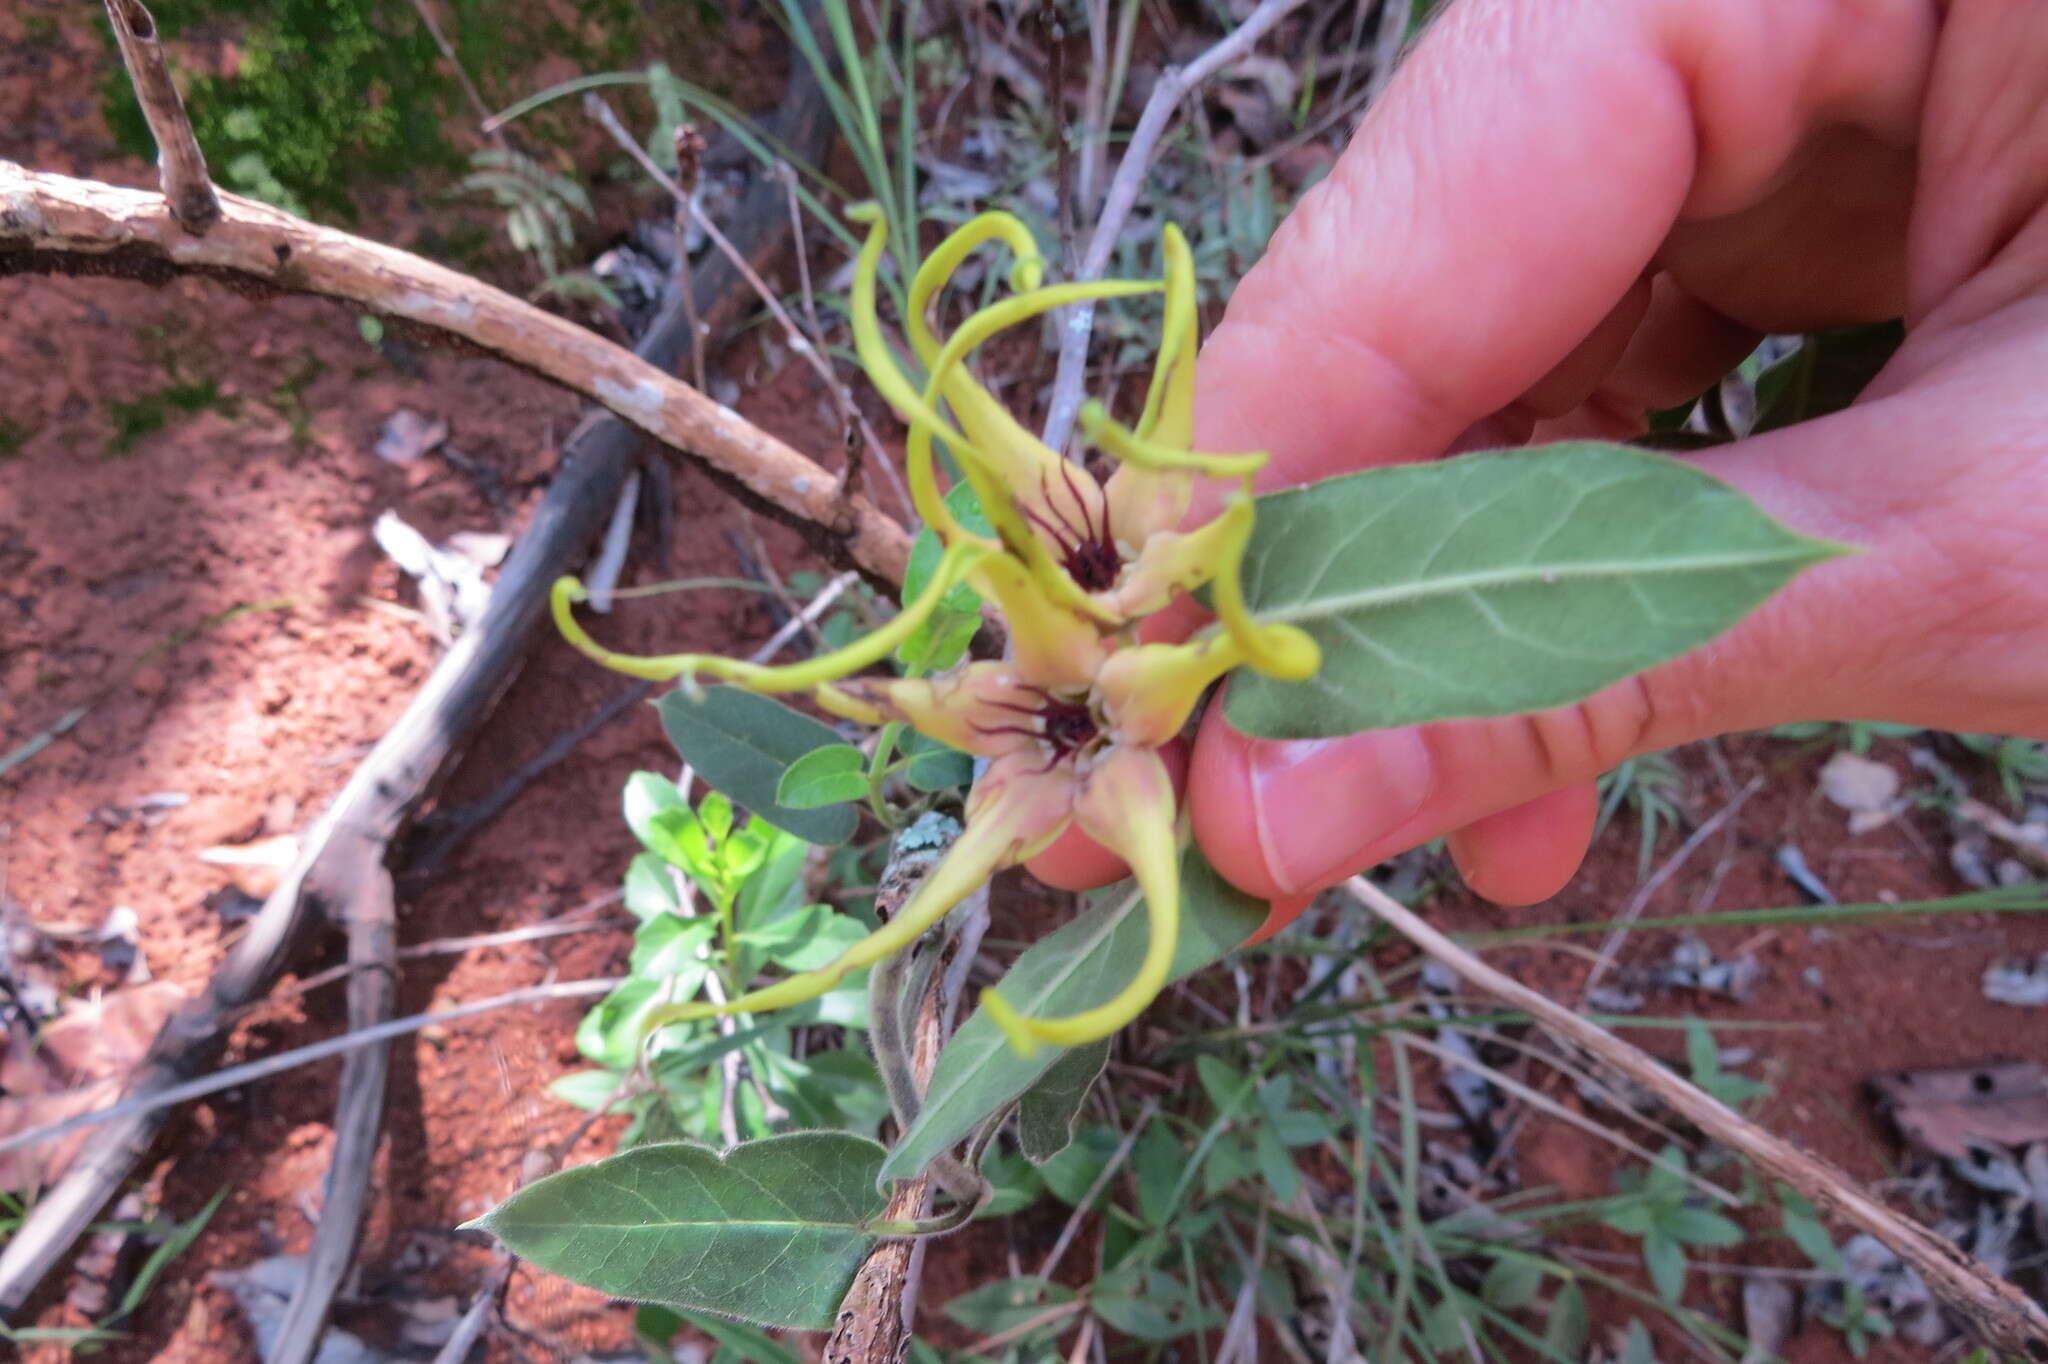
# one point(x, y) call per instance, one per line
point(1802, 1224)
point(1082, 963)
point(770, 1233)
point(740, 744)
point(715, 813)
point(1636, 1346)
point(942, 640)
point(670, 948)
point(649, 889)
point(588, 1090)
point(1073, 1172)
point(1015, 1184)
point(1227, 1086)
point(1046, 1113)
point(1276, 1166)
point(1664, 1257)
point(1564, 1334)
point(814, 936)
point(1444, 1326)
point(1007, 1304)
point(1512, 1282)
point(1698, 1227)
point(934, 766)
point(1499, 583)
point(664, 823)
point(776, 887)
point(610, 1033)
point(1158, 1159)
point(824, 776)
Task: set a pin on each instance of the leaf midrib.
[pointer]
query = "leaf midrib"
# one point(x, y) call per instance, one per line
point(1313, 607)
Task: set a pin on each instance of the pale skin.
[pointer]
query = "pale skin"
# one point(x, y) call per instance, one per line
point(1564, 214)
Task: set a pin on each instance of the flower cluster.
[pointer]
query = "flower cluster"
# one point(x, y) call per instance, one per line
point(1071, 723)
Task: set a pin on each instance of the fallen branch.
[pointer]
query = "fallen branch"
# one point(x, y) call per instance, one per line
point(341, 870)
point(1993, 1308)
point(52, 222)
point(188, 190)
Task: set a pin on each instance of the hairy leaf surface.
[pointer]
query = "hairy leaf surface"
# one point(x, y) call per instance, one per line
point(1494, 584)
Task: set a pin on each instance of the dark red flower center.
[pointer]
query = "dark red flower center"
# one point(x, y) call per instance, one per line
point(1086, 551)
point(1065, 727)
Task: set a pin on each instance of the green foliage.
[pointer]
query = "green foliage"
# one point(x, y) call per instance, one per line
point(1661, 1207)
point(741, 744)
point(1704, 1059)
point(325, 92)
point(1077, 966)
point(1494, 584)
point(771, 1232)
point(540, 207)
point(1651, 787)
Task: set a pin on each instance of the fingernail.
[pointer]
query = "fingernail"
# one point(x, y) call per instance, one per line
point(1317, 804)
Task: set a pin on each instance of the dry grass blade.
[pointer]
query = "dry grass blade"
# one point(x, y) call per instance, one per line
point(1994, 1308)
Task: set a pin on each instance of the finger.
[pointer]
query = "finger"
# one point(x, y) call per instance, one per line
point(1074, 861)
point(1393, 311)
point(1528, 852)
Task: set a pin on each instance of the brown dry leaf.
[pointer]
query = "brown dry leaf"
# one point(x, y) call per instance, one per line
point(1947, 1110)
point(74, 1064)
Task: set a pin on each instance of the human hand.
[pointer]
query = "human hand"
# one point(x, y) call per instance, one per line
point(1561, 217)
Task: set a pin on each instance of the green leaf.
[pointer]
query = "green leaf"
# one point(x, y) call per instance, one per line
point(1227, 1086)
point(1802, 1224)
point(935, 766)
point(1046, 1113)
point(170, 1248)
point(1073, 1172)
point(740, 743)
point(770, 1233)
point(1158, 1158)
point(1512, 1282)
point(669, 947)
point(649, 890)
point(586, 1089)
point(1636, 1346)
point(665, 825)
point(814, 936)
point(776, 887)
point(1276, 1166)
point(1698, 1227)
point(1007, 1303)
point(1014, 1182)
point(1494, 584)
point(747, 1343)
point(1082, 963)
point(1664, 1257)
point(942, 640)
point(1564, 1334)
point(824, 776)
point(610, 1033)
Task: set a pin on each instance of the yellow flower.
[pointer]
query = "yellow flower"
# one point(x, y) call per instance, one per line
point(1071, 724)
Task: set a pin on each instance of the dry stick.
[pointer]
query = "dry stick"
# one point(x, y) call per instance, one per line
point(1995, 1309)
point(53, 222)
point(595, 106)
point(379, 797)
point(1174, 84)
point(180, 163)
point(251, 1071)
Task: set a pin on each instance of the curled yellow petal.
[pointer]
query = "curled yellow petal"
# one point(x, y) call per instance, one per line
point(1023, 810)
point(1131, 448)
point(938, 268)
point(1169, 418)
point(983, 708)
point(1126, 804)
point(868, 650)
point(1053, 645)
point(1148, 691)
point(1283, 651)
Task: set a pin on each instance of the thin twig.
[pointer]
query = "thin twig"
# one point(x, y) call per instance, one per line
point(1633, 910)
point(1174, 85)
point(1993, 1307)
point(595, 105)
point(603, 573)
point(262, 1069)
point(476, 100)
point(51, 222)
point(181, 165)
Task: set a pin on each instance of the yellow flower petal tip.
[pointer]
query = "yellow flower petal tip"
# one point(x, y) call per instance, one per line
point(1014, 1025)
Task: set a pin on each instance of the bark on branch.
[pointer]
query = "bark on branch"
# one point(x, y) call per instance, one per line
point(53, 222)
point(180, 163)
